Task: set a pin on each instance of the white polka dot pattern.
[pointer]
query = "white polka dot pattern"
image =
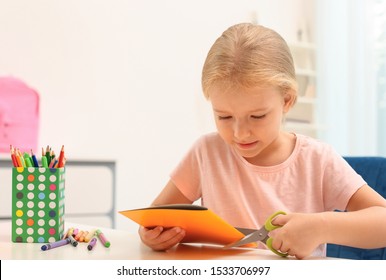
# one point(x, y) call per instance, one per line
point(37, 204)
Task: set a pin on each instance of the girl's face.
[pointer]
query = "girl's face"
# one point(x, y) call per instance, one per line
point(249, 120)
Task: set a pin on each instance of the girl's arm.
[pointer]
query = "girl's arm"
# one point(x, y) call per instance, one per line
point(364, 223)
point(171, 195)
point(362, 226)
point(160, 238)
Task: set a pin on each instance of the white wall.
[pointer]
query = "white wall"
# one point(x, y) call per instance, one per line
point(346, 87)
point(121, 79)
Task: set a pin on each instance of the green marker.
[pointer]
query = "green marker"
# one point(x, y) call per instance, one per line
point(28, 162)
point(44, 162)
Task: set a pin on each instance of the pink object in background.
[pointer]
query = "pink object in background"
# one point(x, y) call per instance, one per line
point(19, 115)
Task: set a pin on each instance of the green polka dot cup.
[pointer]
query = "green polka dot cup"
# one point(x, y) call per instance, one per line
point(37, 204)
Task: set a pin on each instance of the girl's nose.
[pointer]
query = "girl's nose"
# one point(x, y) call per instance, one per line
point(241, 130)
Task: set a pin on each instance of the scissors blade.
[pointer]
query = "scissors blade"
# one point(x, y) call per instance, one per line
point(258, 235)
point(245, 231)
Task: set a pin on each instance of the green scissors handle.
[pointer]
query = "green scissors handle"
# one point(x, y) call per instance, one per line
point(269, 227)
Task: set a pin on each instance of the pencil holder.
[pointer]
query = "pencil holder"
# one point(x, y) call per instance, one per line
point(37, 204)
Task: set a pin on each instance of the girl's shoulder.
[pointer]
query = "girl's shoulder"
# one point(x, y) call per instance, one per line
point(313, 144)
point(211, 138)
point(311, 148)
point(211, 143)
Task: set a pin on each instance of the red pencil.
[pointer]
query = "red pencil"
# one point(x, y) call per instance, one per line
point(13, 156)
point(61, 158)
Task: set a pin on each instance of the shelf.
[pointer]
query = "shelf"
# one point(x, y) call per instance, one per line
point(309, 129)
point(302, 45)
point(301, 118)
point(306, 100)
point(304, 58)
point(302, 112)
point(301, 125)
point(305, 72)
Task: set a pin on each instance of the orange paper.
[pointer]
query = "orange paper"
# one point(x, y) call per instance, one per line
point(200, 223)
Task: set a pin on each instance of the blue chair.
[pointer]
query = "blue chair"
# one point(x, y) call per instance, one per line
point(373, 171)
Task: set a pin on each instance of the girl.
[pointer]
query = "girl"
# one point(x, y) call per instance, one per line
point(251, 168)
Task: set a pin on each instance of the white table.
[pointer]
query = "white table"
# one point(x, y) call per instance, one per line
point(124, 246)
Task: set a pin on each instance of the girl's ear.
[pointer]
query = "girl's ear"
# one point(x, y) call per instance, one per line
point(289, 100)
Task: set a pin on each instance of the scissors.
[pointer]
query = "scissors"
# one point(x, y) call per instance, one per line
point(261, 235)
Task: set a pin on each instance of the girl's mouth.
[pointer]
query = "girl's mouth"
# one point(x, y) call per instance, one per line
point(247, 146)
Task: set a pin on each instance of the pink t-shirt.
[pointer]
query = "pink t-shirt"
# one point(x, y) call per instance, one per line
point(313, 179)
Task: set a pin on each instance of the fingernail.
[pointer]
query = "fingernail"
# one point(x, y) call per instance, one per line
point(160, 229)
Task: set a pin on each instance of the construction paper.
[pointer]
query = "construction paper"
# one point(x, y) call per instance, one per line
point(200, 223)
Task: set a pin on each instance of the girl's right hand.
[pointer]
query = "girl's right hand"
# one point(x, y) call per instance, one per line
point(160, 239)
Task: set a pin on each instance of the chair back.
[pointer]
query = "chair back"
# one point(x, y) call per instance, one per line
point(373, 171)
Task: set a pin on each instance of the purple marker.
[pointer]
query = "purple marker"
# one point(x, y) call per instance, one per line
point(92, 244)
point(55, 244)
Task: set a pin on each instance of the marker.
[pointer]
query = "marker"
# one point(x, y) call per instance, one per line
point(27, 159)
point(69, 233)
point(81, 238)
point(73, 241)
point(78, 235)
point(90, 235)
point(55, 244)
point(28, 162)
point(75, 232)
point(102, 237)
point(92, 244)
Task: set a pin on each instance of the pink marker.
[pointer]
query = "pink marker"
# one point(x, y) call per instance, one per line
point(102, 237)
point(75, 232)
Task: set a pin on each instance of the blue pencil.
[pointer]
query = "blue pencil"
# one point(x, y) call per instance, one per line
point(34, 159)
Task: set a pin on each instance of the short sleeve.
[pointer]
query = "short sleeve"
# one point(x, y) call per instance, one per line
point(187, 174)
point(340, 180)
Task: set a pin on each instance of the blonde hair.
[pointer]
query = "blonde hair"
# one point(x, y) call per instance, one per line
point(248, 55)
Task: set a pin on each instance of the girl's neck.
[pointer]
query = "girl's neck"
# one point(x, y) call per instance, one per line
point(277, 152)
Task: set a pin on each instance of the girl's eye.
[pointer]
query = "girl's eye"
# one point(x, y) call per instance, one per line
point(224, 117)
point(258, 117)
